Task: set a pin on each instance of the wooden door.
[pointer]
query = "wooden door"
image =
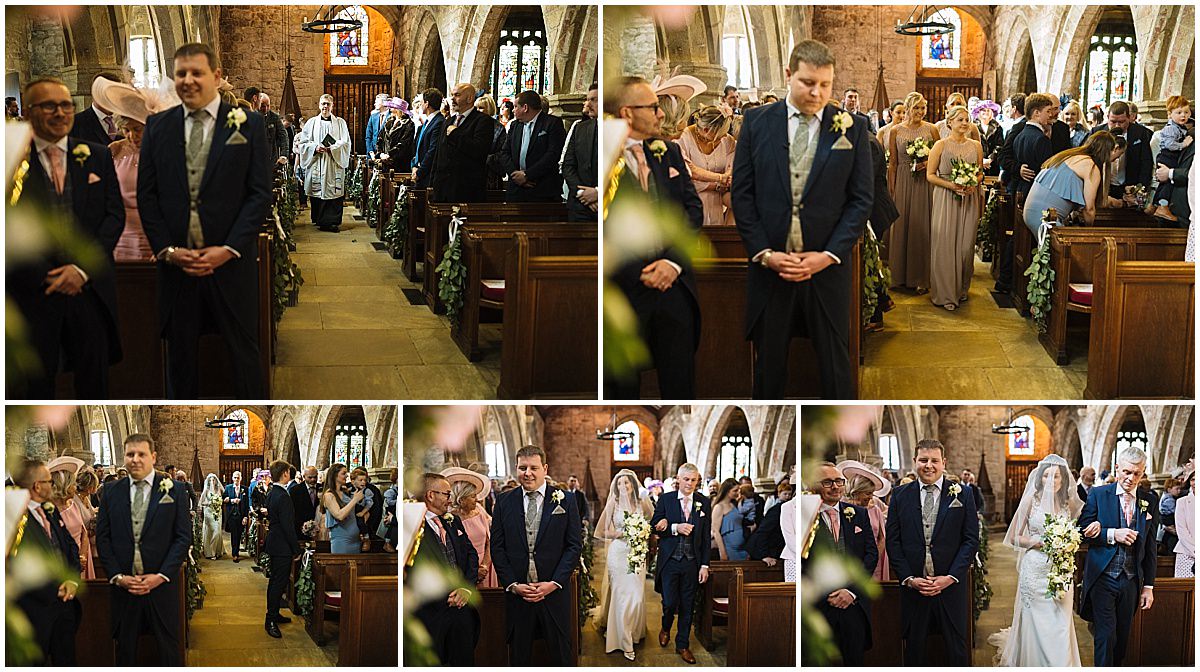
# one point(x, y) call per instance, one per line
point(243, 463)
point(1016, 474)
point(354, 99)
point(937, 89)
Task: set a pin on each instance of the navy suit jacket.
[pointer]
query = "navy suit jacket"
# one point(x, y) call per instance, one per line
point(99, 215)
point(235, 196)
point(1104, 505)
point(559, 540)
point(857, 534)
point(41, 604)
point(1139, 161)
point(541, 159)
point(955, 534)
point(668, 508)
point(235, 512)
point(429, 136)
point(281, 520)
point(837, 200)
point(1032, 148)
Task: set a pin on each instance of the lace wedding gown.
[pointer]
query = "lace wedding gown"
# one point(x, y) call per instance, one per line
point(1043, 630)
point(623, 609)
point(213, 544)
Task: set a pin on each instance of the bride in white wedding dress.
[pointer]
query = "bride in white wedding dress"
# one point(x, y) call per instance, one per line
point(622, 612)
point(1043, 629)
point(213, 544)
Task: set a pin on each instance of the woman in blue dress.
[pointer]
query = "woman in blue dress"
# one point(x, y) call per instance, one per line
point(1073, 179)
point(339, 511)
point(732, 523)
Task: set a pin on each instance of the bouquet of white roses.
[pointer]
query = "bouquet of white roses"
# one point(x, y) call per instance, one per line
point(918, 150)
point(1060, 540)
point(214, 503)
point(963, 173)
point(637, 536)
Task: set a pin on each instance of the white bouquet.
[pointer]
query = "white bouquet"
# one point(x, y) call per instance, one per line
point(964, 173)
point(214, 503)
point(1060, 540)
point(918, 150)
point(637, 536)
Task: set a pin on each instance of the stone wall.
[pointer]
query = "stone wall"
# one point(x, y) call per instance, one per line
point(178, 430)
point(252, 51)
point(569, 439)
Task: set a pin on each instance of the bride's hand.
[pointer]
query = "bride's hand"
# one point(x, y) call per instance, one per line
point(1037, 545)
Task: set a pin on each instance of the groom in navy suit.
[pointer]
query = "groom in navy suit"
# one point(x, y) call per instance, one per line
point(932, 536)
point(204, 189)
point(536, 542)
point(682, 521)
point(1118, 576)
point(803, 187)
point(143, 534)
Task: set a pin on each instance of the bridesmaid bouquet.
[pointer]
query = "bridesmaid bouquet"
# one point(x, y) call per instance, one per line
point(1060, 540)
point(918, 150)
point(963, 173)
point(637, 536)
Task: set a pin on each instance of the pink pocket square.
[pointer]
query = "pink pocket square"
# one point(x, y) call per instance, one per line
point(858, 530)
point(672, 173)
point(93, 178)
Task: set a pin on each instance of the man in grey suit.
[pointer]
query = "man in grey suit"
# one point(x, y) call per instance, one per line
point(579, 163)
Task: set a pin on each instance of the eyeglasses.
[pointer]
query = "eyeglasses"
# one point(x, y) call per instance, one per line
point(830, 482)
point(652, 106)
point(439, 492)
point(67, 107)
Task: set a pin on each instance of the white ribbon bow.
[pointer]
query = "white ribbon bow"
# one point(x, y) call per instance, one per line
point(455, 222)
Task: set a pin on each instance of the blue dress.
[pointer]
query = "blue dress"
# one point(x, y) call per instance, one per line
point(733, 532)
point(1059, 188)
point(343, 535)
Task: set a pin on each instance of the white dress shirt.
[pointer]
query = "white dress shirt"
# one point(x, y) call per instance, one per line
point(209, 123)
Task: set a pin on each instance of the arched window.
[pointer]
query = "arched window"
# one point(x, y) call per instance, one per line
point(889, 449)
point(1132, 435)
point(237, 438)
point(1023, 443)
point(942, 51)
point(101, 445)
point(496, 458)
point(143, 60)
point(350, 443)
point(627, 448)
point(349, 47)
point(520, 62)
point(736, 458)
point(736, 49)
point(1109, 67)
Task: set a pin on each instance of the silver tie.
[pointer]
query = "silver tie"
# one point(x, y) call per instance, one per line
point(197, 157)
point(929, 518)
point(531, 531)
point(139, 519)
point(801, 161)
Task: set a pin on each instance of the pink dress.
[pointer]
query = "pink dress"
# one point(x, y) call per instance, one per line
point(479, 531)
point(133, 244)
point(88, 514)
point(73, 518)
point(716, 203)
point(877, 514)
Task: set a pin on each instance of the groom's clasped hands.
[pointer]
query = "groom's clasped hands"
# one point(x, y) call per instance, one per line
point(535, 592)
point(931, 586)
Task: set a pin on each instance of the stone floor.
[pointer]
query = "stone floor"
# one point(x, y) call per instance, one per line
point(354, 335)
point(978, 351)
point(648, 652)
point(1002, 575)
point(228, 630)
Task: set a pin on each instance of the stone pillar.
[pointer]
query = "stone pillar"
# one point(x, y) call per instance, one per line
point(1152, 113)
point(569, 106)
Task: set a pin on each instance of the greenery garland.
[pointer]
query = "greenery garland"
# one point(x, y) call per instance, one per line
point(287, 274)
point(985, 234)
point(1041, 284)
point(452, 278)
point(304, 587)
point(354, 179)
point(876, 277)
point(588, 598)
point(393, 231)
point(374, 196)
point(195, 585)
point(982, 588)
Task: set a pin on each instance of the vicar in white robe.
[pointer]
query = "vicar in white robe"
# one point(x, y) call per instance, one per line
point(324, 149)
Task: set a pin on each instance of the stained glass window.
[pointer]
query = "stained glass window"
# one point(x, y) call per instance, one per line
point(520, 62)
point(627, 448)
point(350, 445)
point(889, 449)
point(143, 60)
point(1109, 68)
point(235, 438)
point(942, 51)
point(1023, 443)
point(349, 47)
point(736, 458)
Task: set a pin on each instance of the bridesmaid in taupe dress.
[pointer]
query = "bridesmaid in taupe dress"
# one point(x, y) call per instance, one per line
point(908, 238)
point(953, 221)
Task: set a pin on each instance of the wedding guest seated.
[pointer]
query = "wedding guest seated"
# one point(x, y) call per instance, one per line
point(467, 488)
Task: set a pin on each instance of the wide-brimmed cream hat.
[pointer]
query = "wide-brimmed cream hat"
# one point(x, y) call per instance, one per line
point(121, 98)
point(850, 468)
point(65, 463)
point(481, 482)
point(684, 87)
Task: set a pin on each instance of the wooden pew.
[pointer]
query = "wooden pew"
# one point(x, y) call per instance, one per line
point(388, 188)
point(762, 623)
point(716, 591)
point(492, 648)
point(369, 623)
point(94, 643)
point(887, 630)
point(1142, 342)
point(485, 248)
point(549, 334)
point(1166, 566)
point(1165, 634)
point(330, 583)
point(1073, 250)
point(437, 231)
point(725, 359)
point(414, 234)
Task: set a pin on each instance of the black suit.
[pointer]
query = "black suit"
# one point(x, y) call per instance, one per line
point(235, 196)
point(767, 540)
point(454, 631)
point(164, 543)
point(88, 127)
point(555, 554)
point(1007, 160)
point(581, 503)
point(54, 622)
point(541, 160)
point(579, 168)
point(1139, 161)
point(1081, 491)
point(279, 141)
point(375, 517)
point(1030, 148)
point(460, 160)
point(429, 137)
point(84, 327)
point(282, 545)
point(304, 505)
point(837, 199)
point(669, 321)
point(851, 626)
point(680, 557)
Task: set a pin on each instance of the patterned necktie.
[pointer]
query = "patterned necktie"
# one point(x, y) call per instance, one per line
point(835, 525)
point(109, 127)
point(531, 531)
point(57, 172)
point(687, 508)
point(441, 530)
point(1127, 508)
point(928, 518)
point(196, 158)
point(801, 161)
point(139, 519)
point(643, 168)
